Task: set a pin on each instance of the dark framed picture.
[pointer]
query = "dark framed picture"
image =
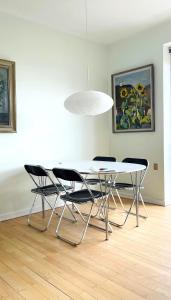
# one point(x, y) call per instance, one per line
point(7, 96)
point(133, 94)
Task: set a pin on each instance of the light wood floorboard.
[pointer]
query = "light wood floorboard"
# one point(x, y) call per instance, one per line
point(135, 263)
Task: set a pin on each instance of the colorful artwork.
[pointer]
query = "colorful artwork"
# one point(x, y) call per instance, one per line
point(4, 97)
point(133, 96)
point(7, 96)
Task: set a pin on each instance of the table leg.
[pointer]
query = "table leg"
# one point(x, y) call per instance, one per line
point(107, 218)
point(43, 208)
point(107, 207)
point(137, 199)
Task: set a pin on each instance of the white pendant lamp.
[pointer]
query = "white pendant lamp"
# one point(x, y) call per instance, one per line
point(88, 103)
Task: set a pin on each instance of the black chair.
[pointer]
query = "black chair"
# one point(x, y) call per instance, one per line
point(81, 196)
point(94, 181)
point(130, 186)
point(97, 181)
point(104, 158)
point(45, 187)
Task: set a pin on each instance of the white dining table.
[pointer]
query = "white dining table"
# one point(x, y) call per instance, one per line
point(93, 167)
point(99, 168)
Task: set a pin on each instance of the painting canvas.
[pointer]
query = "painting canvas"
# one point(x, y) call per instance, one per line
point(7, 96)
point(133, 94)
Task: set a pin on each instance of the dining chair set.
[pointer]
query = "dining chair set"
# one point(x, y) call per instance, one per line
point(74, 189)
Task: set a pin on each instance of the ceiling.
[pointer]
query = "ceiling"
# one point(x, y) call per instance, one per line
point(107, 20)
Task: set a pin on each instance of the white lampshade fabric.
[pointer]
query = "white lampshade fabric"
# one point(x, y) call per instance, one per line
point(88, 103)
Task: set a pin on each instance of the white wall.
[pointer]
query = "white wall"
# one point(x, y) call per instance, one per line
point(167, 121)
point(49, 66)
point(142, 49)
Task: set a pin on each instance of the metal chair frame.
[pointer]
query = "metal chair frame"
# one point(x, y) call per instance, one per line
point(69, 196)
point(98, 181)
point(40, 190)
point(136, 186)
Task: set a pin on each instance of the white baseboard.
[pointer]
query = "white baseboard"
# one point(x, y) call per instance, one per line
point(145, 198)
point(22, 213)
point(16, 214)
point(155, 201)
point(25, 212)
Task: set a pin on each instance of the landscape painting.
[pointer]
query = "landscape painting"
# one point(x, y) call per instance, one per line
point(4, 97)
point(133, 94)
point(7, 96)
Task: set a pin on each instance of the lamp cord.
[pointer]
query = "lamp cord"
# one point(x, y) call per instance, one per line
point(86, 23)
point(86, 36)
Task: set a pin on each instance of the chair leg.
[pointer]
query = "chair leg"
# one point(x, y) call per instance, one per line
point(114, 201)
point(83, 232)
point(43, 208)
point(31, 210)
point(77, 210)
point(120, 200)
point(130, 213)
point(72, 214)
point(53, 210)
point(86, 225)
point(43, 213)
point(140, 215)
point(60, 219)
point(100, 211)
point(99, 208)
point(104, 212)
point(127, 215)
point(101, 215)
point(141, 198)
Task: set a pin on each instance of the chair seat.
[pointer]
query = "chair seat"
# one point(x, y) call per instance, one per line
point(94, 181)
point(49, 189)
point(123, 185)
point(82, 196)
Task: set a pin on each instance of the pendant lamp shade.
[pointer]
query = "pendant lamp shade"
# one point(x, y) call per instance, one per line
point(88, 103)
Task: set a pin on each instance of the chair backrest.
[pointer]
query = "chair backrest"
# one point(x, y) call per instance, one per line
point(39, 175)
point(104, 158)
point(139, 161)
point(67, 174)
point(35, 170)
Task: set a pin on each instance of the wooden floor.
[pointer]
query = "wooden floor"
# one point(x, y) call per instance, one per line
point(134, 264)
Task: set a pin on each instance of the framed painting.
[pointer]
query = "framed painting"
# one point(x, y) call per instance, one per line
point(7, 96)
point(133, 94)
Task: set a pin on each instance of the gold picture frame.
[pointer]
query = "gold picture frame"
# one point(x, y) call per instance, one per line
point(7, 96)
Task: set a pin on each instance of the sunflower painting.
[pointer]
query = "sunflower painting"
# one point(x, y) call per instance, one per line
point(133, 95)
